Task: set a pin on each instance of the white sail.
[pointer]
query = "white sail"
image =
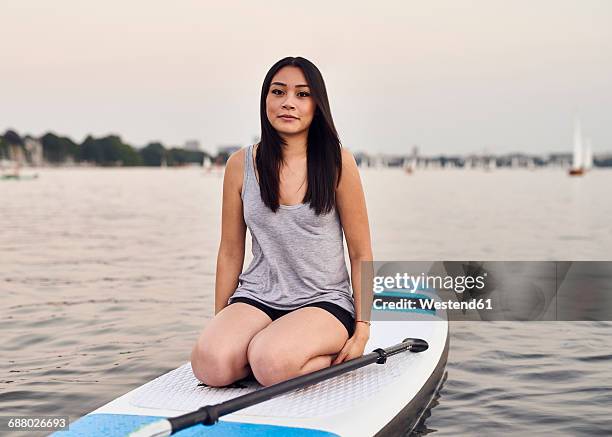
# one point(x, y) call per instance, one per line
point(206, 163)
point(531, 163)
point(588, 155)
point(577, 161)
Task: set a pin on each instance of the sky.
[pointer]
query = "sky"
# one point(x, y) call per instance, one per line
point(456, 76)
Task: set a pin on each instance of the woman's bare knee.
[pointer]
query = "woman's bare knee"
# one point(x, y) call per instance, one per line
point(217, 367)
point(275, 356)
point(269, 370)
point(220, 354)
point(217, 363)
point(270, 365)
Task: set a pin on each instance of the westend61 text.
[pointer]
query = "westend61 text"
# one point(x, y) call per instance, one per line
point(431, 305)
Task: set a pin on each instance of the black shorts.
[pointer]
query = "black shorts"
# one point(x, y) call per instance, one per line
point(337, 311)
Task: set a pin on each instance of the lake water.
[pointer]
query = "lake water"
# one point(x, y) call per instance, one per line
point(107, 277)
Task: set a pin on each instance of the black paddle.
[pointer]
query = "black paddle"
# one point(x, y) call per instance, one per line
point(209, 414)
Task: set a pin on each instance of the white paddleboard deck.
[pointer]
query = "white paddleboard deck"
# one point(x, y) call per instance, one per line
point(379, 398)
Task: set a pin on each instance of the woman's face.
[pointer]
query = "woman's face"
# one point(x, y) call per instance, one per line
point(289, 106)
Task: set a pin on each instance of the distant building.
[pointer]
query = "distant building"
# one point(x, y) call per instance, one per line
point(224, 152)
point(393, 160)
point(563, 160)
point(192, 145)
point(227, 149)
point(363, 159)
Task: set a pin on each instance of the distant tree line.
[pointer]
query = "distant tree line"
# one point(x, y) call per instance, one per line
point(104, 151)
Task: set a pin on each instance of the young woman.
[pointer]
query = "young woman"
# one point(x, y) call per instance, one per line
point(291, 311)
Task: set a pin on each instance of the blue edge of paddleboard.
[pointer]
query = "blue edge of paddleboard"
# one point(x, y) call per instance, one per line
point(115, 425)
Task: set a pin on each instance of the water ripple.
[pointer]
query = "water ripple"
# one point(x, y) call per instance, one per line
point(108, 277)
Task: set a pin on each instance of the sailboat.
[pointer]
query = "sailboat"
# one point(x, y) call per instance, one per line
point(588, 155)
point(15, 162)
point(578, 164)
point(409, 165)
point(207, 163)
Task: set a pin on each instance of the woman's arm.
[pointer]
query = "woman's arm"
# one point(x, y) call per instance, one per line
point(233, 231)
point(350, 201)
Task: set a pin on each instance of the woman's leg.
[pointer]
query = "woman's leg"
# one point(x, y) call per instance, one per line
point(297, 343)
point(219, 356)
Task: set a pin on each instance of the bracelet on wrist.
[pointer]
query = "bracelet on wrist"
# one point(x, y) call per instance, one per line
point(363, 321)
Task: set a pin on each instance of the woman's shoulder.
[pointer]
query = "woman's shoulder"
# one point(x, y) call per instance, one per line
point(236, 160)
point(234, 168)
point(349, 178)
point(349, 164)
point(238, 157)
point(347, 157)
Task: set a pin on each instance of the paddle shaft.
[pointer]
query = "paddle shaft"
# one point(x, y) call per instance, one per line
point(208, 415)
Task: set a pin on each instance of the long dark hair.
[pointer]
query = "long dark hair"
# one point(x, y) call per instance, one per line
point(323, 156)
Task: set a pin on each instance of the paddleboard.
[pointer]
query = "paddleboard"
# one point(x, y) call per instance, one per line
point(10, 177)
point(378, 399)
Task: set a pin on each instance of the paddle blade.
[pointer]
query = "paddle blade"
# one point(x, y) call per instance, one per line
point(161, 428)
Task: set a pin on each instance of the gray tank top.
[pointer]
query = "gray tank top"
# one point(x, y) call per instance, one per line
point(298, 257)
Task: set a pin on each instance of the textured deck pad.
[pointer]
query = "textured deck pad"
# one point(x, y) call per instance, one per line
point(115, 425)
point(179, 390)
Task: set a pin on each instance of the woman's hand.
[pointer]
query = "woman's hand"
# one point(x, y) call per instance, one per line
point(354, 346)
